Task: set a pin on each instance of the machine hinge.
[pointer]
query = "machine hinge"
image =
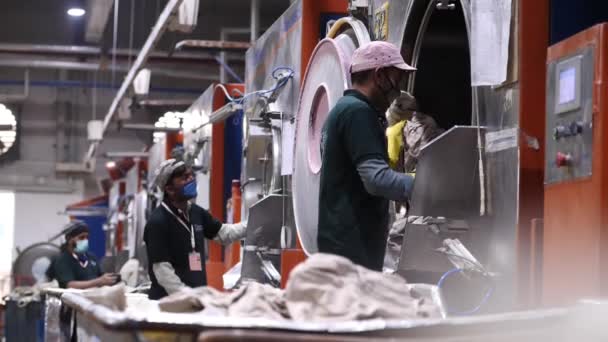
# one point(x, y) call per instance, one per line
point(445, 5)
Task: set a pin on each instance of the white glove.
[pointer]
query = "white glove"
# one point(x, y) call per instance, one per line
point(231, 232)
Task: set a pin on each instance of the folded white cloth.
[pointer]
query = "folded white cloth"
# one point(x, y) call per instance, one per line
point(331, 288)
point(323, 288)
point(251, 300)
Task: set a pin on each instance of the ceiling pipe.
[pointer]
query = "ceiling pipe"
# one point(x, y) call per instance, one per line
point(255, 20)
point(89, 66)
point(78, 50)
point(121, 155)
point(149, 127)
point(159, 28)
point(165, 102)
point(221, 45)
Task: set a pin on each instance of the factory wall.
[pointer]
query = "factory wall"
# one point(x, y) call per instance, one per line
point(39, 216)
point(52, 124)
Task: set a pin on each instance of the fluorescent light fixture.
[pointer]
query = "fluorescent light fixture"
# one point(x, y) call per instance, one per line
point(76, 12)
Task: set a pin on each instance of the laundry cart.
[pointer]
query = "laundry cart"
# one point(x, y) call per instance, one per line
point(141, 321)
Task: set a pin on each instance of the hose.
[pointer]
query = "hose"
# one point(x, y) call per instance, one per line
point(474, 309)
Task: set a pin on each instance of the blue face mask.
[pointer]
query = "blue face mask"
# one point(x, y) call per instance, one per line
point(189, 190)
point(82, 246)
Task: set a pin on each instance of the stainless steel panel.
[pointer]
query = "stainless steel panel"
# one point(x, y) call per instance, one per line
point(491, 237)
point(263, 240)
point(256, 176)
point(570, 133)
point(453, 194)
point(197, 143)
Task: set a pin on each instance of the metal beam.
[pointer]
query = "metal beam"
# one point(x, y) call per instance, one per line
point(157, 31)
point(98, 14)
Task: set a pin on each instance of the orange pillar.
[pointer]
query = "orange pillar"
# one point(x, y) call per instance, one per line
point(533, 36)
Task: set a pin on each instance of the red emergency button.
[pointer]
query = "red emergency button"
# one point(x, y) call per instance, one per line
point(562, 159)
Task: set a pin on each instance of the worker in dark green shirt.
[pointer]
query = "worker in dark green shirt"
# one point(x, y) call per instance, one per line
point(76, 267)
point(356, 180)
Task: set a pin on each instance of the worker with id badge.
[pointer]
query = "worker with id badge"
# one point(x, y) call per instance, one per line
point(175, 232)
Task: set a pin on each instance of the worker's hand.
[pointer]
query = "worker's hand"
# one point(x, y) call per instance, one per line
point(107, 279)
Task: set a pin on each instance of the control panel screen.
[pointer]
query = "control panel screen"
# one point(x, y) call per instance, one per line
point(567, 85)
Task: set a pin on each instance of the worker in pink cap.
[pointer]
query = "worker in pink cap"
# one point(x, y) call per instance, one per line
point(356, 180)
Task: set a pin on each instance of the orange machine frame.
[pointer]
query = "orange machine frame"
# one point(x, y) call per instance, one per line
point(575, 247)
point(532, 27)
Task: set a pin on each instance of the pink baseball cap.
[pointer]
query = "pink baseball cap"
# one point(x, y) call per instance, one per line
point(378, 54)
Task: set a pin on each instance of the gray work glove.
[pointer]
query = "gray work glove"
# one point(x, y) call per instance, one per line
point(401, 109)
point(230, 233)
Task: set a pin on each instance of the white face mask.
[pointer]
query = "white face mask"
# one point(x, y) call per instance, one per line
point(82, 246)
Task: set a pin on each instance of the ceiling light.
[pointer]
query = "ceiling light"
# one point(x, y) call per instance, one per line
point(76, 12)
point(110, 164)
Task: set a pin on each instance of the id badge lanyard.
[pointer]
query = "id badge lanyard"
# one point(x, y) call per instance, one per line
point(189, 229)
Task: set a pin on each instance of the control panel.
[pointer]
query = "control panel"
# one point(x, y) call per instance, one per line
point(569, 136)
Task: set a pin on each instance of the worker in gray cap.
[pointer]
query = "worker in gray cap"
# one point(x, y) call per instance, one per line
point(356, 180)
point(175, 232)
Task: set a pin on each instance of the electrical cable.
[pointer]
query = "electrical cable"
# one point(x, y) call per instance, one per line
point(474, 309)
point(221, 86)
point(282, 81)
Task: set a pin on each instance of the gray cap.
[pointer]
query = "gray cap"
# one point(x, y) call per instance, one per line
point(164, 172)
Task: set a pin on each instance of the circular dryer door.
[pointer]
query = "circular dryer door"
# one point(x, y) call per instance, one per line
point(31, 265)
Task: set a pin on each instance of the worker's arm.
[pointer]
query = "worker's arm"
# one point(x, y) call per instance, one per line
point(104, 280)
point(166, 277)
point(380, 180)
point(364, 137)
point(224, 233)
point(230, 233)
